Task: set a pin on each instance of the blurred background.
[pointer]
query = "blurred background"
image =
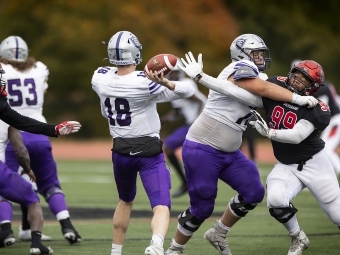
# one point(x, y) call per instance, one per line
point(67, 36)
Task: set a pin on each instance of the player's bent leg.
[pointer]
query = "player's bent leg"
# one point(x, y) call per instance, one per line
point(55, 198)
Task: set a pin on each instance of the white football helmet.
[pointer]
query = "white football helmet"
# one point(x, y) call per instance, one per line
point(14, 48)
point(243, 45)
point(124, 49)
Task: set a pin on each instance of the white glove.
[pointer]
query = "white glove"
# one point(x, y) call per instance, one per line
point(261, 125)
point(67, 127)
point(304, 100)
point(191, 67)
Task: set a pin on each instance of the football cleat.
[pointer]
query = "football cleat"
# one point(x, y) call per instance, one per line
point(217, 240)
point(154, 249)
point(71, 235)
point(40, 249)
point(6, 238)
point(299, 243)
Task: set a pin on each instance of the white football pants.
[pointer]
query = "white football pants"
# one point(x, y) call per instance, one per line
point(285, 182)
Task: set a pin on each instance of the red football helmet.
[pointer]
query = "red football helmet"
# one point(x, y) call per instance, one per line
point(313, 71)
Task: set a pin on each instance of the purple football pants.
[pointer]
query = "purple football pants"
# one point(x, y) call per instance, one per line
point(154, 174)
point(177, 138)
point(42, 162)
point(204, 165)
point(14, 188)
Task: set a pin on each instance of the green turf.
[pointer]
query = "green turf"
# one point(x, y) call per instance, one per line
point(90, 184)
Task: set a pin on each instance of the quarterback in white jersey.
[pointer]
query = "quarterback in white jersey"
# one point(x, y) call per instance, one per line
point(211, 149)
point(128, 101)
point(26, 81)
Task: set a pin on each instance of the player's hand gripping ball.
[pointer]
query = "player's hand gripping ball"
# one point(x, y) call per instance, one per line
point(161, 63)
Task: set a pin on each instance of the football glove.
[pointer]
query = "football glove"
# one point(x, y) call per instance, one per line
point(67, 127)
point(304, 100)
point(260, 125)
point(193, 69)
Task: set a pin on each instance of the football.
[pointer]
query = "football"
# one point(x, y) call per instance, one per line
point(161, 63)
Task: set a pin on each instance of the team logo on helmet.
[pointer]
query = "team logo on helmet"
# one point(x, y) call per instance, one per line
point(240, 42)
point(135, 42)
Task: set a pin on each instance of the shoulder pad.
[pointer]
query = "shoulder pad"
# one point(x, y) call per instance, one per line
point(42, 67)
point(322, 116)
point(245, 72)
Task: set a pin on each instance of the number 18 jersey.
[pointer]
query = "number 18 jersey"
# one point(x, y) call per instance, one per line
point(129, 101)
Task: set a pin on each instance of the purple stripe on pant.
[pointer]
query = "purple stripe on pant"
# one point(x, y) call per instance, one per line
point(14, 188)
point(204, 165)
point(154, 174)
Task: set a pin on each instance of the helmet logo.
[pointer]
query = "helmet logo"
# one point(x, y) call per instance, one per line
point(135, 42)
point(240, 42)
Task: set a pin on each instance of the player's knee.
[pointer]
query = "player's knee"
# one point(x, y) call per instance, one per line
point(283, 214)
point(240, 207)
point(51, 191)
point(188, 223)
point(257, 196)
point(276, 199)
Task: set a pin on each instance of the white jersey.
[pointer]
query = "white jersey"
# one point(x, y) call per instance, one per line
point(226, 109)
point(3, 139)
point(26, 89)
point(129, 101)
point(190, 109)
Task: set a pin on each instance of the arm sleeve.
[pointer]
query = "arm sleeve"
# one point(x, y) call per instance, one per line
point(181, 91)
point(230, 89)
point(302, 129)
point(24, 123)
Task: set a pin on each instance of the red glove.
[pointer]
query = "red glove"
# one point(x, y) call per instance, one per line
point(67, 127)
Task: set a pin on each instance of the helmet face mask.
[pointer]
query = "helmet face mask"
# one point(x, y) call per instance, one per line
point(305, 78)
point(124, 49)
point(251, 47)
point(14, 48)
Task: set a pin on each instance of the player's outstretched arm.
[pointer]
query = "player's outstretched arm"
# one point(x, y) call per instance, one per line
point(255, 86)
point(302, 129)
point(275, 92)
point(21, 122)
point(194, 70)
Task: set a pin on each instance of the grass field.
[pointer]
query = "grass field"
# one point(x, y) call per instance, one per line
point(90, 184)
